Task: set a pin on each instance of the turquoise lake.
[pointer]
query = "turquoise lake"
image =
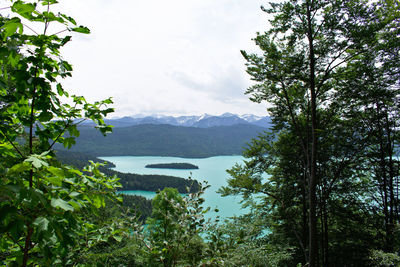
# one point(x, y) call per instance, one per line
point(212, 170)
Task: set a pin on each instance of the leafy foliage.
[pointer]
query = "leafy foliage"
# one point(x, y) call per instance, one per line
point(328, 75)
point(137, 206)
point(173, 234)
point(44, 204)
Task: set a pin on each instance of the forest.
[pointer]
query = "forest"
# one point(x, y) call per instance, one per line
point(166, 140)
point(321, 186)
point(129, 181)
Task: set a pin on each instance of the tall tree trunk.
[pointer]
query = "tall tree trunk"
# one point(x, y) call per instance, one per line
point(313, 253)
point(383, 176)
point(390, 182)
point(322, 231)
point(304, 217)
point(326, 236)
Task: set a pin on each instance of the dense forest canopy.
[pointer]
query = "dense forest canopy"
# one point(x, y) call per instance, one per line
point(329, 72)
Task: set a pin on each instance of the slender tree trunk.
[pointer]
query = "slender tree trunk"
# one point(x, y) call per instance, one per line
point(28, 242)
point(313, 253)
point(322, 231)
point(304, 217)
point(397, 194)
point(390, 183)
point(384, 184)
point(395, 182)
point(326, 236)
point(27, 246)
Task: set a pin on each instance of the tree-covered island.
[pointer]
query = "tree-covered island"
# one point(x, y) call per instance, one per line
point(180, 166)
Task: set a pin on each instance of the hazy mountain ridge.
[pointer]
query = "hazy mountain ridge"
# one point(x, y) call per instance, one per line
point(202, 121)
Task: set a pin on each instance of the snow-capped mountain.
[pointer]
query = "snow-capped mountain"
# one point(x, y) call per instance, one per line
point(203, 121)
point(226, 119)
point(250, 117)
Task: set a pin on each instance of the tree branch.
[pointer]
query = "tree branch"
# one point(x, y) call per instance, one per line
point(12, 143)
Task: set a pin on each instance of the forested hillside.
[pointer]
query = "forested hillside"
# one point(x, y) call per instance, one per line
point(167, 140)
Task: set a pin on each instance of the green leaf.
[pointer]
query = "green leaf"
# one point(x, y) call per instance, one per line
point(65, 40)
point(11, 27)
point(37, 162)
point(14, 58)
point(68, 18)
point(45, 116)
point(49, 2)
point(75, 204)
point(56, 171)
point(23, 9)
point(81, 29)
point(74, 194)
point(57, 181)
point(97, 201)
point(66, 66)
point(50, 16)
point(41, 223)
point(68, 142)
point(59, 203)
point(73, 131)
point(21, 167)
point(118, 238)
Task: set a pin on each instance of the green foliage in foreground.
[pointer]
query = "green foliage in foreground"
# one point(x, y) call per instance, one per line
point(177, 234)
point(47, 210)
point(137, 206)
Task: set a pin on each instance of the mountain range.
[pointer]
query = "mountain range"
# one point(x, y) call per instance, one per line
point(203, 121)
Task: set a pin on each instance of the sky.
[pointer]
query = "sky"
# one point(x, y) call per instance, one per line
point(175, 57)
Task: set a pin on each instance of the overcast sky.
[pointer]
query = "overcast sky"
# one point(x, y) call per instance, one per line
point(175, 57)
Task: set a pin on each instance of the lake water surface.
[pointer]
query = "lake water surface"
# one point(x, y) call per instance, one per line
point(212, 170)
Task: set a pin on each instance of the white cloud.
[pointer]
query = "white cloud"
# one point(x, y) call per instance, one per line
point(178, 57)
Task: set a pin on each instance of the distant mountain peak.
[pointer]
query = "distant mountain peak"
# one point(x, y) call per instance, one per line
point(227, 114)
point(250, 117)
point(201, 121)
point(204, 116)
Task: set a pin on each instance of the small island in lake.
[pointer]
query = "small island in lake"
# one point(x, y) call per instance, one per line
point(180, 166)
